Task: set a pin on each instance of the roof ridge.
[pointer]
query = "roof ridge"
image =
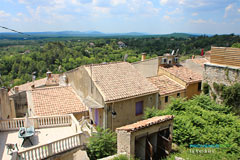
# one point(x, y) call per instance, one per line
point(106, 63)
point(48, 88)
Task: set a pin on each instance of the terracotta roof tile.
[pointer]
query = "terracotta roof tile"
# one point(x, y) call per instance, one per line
point(53, 80)
point(166, 85)
point(183, 73)
point(119, 80)
point(56, 101)
point(145, 123)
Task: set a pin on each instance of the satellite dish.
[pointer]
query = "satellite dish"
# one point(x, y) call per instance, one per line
point(125, 57)
point(172, 52)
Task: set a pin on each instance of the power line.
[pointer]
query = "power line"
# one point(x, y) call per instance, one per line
point(14, 30)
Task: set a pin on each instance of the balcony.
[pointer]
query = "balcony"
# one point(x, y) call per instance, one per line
point(53, 135)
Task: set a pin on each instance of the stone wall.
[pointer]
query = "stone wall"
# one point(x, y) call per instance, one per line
point(220, 74)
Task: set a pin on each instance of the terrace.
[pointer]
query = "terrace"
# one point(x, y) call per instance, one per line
point(53, 135)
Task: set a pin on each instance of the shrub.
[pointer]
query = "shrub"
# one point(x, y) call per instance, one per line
point(206, 88)
point(231, 96)
point(202, 121)
point(102, 144)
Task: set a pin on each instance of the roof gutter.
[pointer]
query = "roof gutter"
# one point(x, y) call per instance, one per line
point(127, 98)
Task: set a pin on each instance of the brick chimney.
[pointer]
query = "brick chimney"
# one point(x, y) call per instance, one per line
point(49, 74)
point(143, 56)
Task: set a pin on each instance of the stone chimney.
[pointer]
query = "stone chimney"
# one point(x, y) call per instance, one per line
point(16, 89)
point(143, 56)
point(49, 74)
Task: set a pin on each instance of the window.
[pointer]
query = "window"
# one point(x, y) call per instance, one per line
point(178, 94)
point(166, 99)
point(199, 86)
point(139, 108)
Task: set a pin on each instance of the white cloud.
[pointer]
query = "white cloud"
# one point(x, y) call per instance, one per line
point(162, 2)
point(194, 14)
point(239, 10)
point(227, 9)
point(22, 1)
point(19, 14)
point(4, 14)
point(176, 11)
point(117, 2)
point(198, 21)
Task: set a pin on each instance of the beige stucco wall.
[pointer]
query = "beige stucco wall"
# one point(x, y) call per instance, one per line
point(126, 140)
point(192, 89)
point(80, 80)
point(126, 110)
point(7, 109)
point(162, 103)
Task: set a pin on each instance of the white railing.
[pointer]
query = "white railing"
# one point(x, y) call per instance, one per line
point(86, 126)
point(53, 148)
point(13, 124)
point(37, 122)
point(53, 121)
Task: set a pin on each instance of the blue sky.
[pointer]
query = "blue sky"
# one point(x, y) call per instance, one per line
point(119, 16)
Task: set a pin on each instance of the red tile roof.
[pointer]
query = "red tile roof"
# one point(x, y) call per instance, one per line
point(120, 80)
point(145, 123)
point(166, 85)
point(53, 80)
point(55, 101)
point(183, 73)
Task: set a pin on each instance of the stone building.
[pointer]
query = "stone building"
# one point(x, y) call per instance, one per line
point(147, 139)
point(18, 93)
point(171, 78)
point(115, 93)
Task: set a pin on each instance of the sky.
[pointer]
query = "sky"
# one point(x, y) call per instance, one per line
point(122, 16)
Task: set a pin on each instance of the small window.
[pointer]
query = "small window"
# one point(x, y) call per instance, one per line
point(139, 108)
point(164, 60)
point(199, 86)
point(166, 99)
point(178, 94)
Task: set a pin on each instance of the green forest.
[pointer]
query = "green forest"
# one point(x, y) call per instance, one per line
point(19, 58)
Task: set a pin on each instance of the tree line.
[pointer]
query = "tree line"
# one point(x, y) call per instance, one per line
point(20, 58)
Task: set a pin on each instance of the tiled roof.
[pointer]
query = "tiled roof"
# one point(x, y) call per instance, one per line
point(56, 101)
point(119, 80)
point(166, 85)
point(53, 80)
point(145, 123)
point(183, 73)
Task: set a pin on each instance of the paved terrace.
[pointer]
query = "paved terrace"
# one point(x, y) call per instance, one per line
point(53, 135)
point(42, 136)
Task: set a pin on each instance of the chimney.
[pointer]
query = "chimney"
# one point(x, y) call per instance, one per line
point(143, 56)
point(49, 74)
point(16, 89)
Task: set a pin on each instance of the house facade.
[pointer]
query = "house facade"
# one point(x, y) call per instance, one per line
point(171, 78)
point(115, 93)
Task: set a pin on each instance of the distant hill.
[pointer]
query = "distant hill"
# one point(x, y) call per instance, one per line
point(40, 35)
